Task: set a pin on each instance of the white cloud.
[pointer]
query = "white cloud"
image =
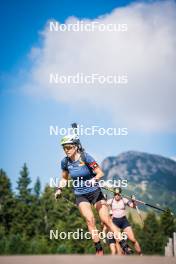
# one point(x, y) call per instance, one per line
point(146, 52)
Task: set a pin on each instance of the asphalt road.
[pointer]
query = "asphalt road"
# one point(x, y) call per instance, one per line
point(85, 259)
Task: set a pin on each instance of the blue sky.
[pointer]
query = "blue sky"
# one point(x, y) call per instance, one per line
point(25, 119)
point(21, 22)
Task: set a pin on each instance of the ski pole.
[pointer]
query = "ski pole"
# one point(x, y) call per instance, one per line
point(133, 199)
point(138, 201)
point(139, 213)
point(68, 201)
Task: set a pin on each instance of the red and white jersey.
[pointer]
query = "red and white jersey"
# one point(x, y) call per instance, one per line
point(118, 207)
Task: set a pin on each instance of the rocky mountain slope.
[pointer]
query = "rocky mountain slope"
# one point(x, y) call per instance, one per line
point(151, 177)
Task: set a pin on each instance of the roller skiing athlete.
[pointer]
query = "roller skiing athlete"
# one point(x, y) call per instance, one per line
point(118, 206)
point(80, 166)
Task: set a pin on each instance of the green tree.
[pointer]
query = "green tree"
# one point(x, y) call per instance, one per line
point(167, 226)
point(6, 202)
point(23, 223)
point(167, 222)
point(36, 209)
point(152, 238)
point(37, 188)
point(23, 185)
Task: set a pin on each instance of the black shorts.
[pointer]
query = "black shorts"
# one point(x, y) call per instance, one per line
point(121, 222)
point(92, 197)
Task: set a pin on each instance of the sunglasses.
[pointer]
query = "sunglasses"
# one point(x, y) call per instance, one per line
point(68, 147)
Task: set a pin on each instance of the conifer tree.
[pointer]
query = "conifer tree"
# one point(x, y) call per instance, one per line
point(6, 202)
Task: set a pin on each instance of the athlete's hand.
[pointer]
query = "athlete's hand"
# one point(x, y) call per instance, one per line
point(92, 182)
point(133, 199)
point(58, 193)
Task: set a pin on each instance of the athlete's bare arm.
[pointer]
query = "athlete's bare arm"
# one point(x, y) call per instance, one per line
point(132, 204)
point(99, 173)
point(64, 179)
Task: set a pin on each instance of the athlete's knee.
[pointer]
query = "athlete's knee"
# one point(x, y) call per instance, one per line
point(108, 222)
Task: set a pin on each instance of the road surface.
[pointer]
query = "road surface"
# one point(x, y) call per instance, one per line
point(85, 259)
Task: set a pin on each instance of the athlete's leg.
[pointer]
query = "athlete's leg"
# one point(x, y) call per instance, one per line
point(115, 247)
point(119, 249)
point(86, 211)
point(128, 230)
point(112, 247)
point(102, 208)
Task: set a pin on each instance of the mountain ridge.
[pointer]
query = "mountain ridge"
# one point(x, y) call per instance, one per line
point(147, 174)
